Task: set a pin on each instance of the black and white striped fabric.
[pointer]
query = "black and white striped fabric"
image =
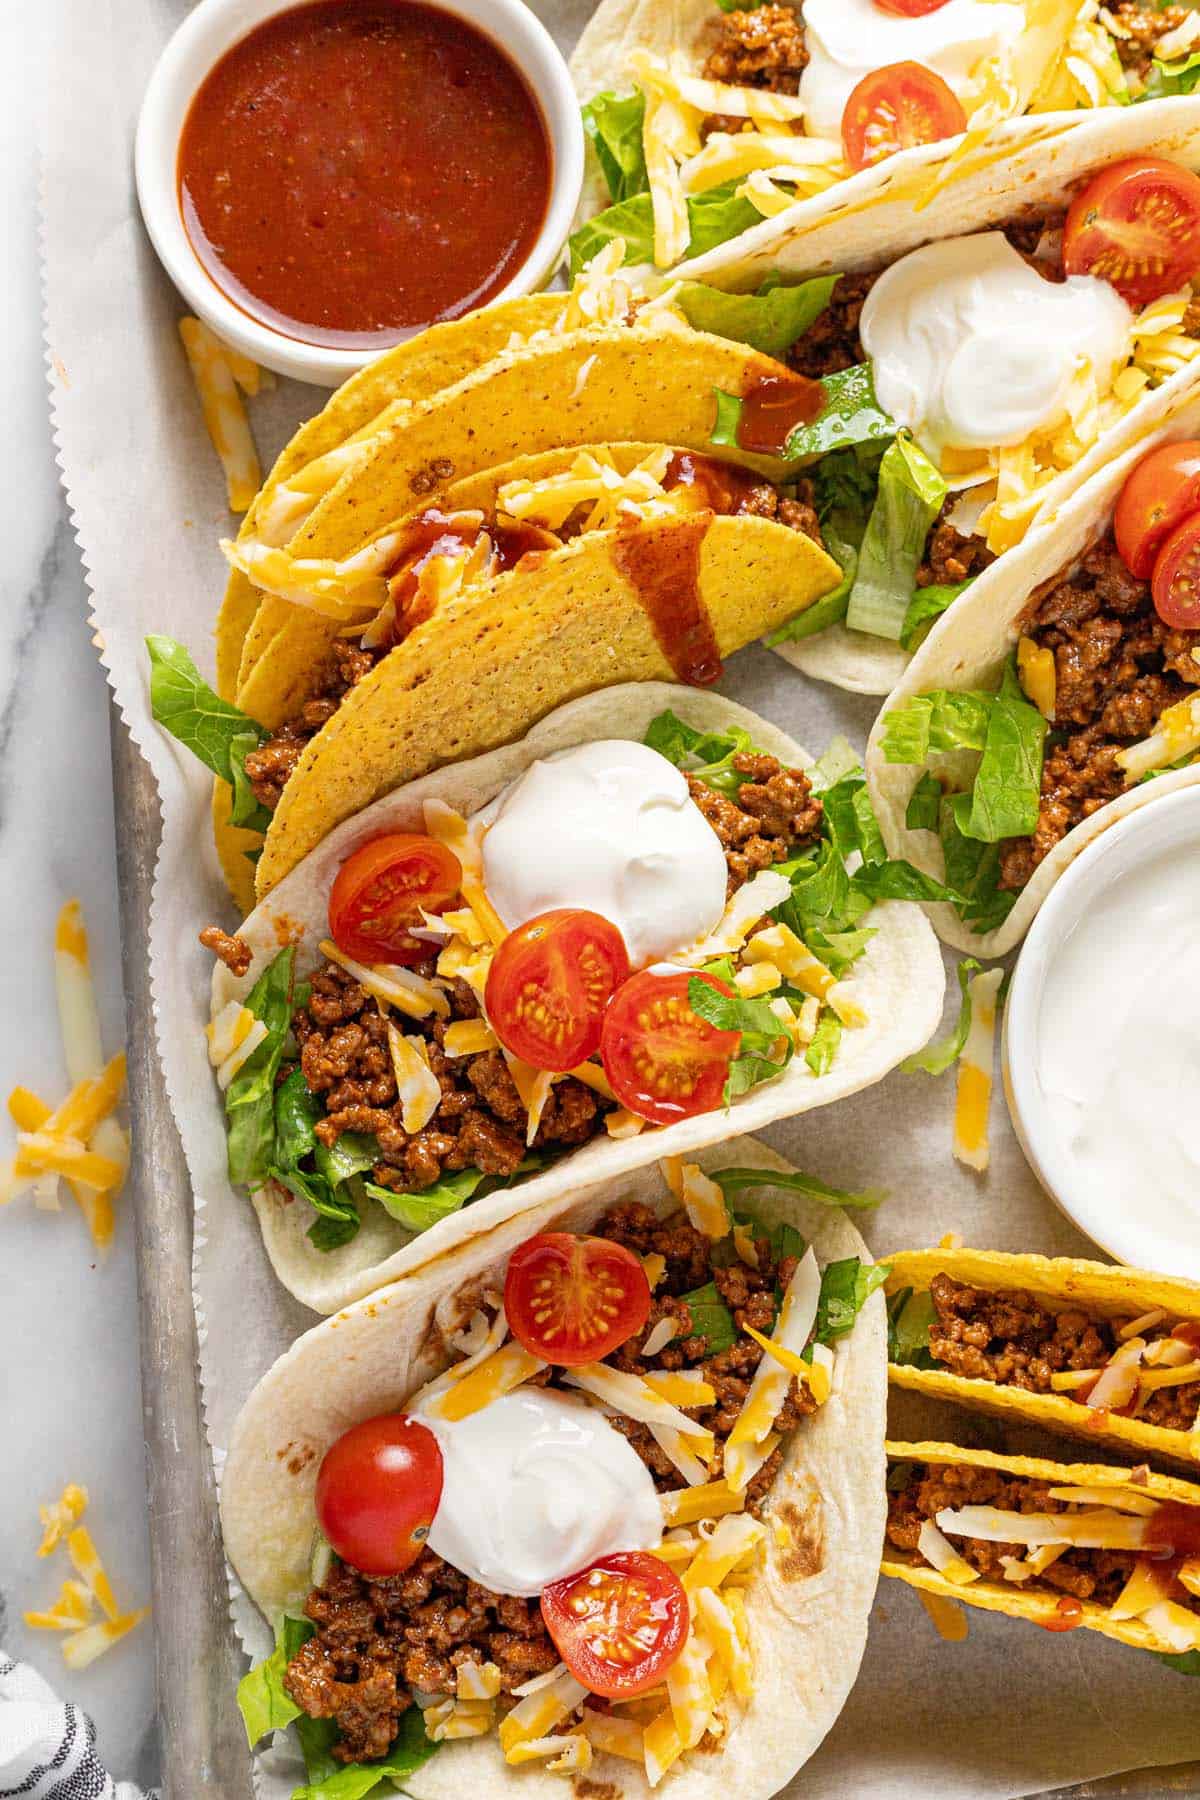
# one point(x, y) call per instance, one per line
point(47, 1746)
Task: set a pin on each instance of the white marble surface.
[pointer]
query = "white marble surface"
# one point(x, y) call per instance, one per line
point(69, 1390)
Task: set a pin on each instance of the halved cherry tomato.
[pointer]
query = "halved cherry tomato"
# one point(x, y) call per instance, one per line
point(895, 108)
point(1067, 1615)
point(620, 1624)
point(1158, 496)
point(379, 893)
point(574, 1299)
point(911, 9)
point(1176, 583)
point(1137, 225)
point(662, 1061)
point(549, 984)
point(378, 1489)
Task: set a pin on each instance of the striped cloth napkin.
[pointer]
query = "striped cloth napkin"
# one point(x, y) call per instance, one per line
point(47, 1746)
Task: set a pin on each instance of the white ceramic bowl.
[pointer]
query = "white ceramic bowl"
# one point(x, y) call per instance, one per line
point(211, 29)
point(1135, 1232)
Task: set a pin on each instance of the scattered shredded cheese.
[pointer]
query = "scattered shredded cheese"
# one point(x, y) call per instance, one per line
point(392, 984)
point(974, 1094)
point(224, 414)
point(699, 1195)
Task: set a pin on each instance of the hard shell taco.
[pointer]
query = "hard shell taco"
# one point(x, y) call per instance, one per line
point(1063, 692)
point(718, 130)
point(650, 923)
point(1083, 1347)
point(1062, 1545)
point(702, 1454)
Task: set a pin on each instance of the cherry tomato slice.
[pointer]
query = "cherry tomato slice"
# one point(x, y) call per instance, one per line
point(379, 893)
point(574, 1299)
point(1176, 584)
point(911, 9)
point(896, 108)
point(378, 1489)
point(662, 1061)
point(549, 984)
point(620, 1624)
point(1158, 496)
point(1137, 225)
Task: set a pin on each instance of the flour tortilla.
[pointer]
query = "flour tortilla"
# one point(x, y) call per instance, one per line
point(899, 982)
point(968, 648)
point(1040, 1605)
point(807, 1624)
point(1061, 1284)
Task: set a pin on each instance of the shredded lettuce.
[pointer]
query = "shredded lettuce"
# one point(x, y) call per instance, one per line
point(418, 1211)
point(183, 704)
point(846, 1286)
point(926, 608)
point(714, 217)
point(1006, 794)
point(1187, 1662)
point(250, 1096)
point(262, 1700)
point(297, 1111)
point(924, 804)
point(706, 754)
point(850, 415)
point(765, 1050)
point(909, 1317)
point(614, 128)
point(935, 1059)
point(711, 1318)
point(331, 1780)
point(941, 721)
point(822, 1052)
point(838, 758)
point(1167, 79)
point(741, 1181)
point(770, 320)
point(907, 501)
point(973, 873)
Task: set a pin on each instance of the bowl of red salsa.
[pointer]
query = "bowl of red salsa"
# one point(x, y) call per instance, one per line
point(322, 181)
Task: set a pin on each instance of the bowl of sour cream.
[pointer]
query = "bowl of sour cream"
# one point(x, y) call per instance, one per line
point(1102, 1039)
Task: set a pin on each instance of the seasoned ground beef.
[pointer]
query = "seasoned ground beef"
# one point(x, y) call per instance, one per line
point(269, 767)
point(831, 342)
point(1009, 1337)
point(480, 1122)
point(377, 1641)
point(796, 511)
point(1117, 667)
point(762, 48)
point(1084, 1574)
point(1141, 28)
point(775, 815)
point(228, 948)
point(950, 556)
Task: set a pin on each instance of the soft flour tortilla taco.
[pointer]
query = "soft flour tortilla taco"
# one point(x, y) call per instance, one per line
point(748, 1463)
point(717, 130)
point(1080, 1346)
point(377, 1082)
point(1063, 692)
point(1060, 1544)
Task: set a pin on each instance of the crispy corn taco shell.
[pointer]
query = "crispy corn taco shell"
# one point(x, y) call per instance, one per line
point(414, 370)
point(807, 1608)
point(899, 982)
point(1060, 1283)
point(1038, 1606)
point(968, 649)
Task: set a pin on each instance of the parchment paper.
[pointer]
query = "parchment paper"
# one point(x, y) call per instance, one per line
point(1010, 1711)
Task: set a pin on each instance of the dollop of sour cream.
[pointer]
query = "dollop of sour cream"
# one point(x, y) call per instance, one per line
point(535, 1487)
point(1117, 1050)
point(608, 826)
point(972, 348)
point(847, 39)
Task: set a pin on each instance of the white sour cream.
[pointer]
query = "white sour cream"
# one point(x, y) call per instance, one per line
point(1117, 1059)
point(611, 827)
point(972, 348)
point(535, 1487)
point(847, 39)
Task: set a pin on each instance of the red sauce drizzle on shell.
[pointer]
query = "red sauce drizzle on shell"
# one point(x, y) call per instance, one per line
point(661, 562)
point(773, 406)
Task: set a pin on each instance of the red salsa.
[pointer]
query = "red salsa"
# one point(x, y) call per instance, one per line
point(354, 170)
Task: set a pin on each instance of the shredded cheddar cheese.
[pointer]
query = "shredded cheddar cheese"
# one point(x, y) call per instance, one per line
point(73, 1610)
point(974, 1095)
point(224, 415)
point(499, 1373)
point(60, 1516)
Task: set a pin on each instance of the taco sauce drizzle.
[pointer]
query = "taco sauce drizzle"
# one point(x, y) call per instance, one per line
point(662, 565)
point(353, 170)
point(773, 406)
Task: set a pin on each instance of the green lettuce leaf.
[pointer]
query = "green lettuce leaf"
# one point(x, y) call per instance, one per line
point(770, 320)
point(823, 1050)
point(418, 1211)
point(614, 128)
point(711, 1318)
point(706, 754)
point(1188, 1661)
point(1170, 78)
point(909, 1317)
point(924, 804)
point(944, 720)
point(330, 1780)
point(935, 1059)
point(262, 1700)
point(973, 871)
point(908, 500)
point(850, 821)
point(354, 1153)
point(250, 1097)
point(926, 608)
point(1006, 795)
point(713, 217)
point(765, 1050)
point(742, 1181)
point(846, 1286)
point(851, 415)
point(183, 704)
